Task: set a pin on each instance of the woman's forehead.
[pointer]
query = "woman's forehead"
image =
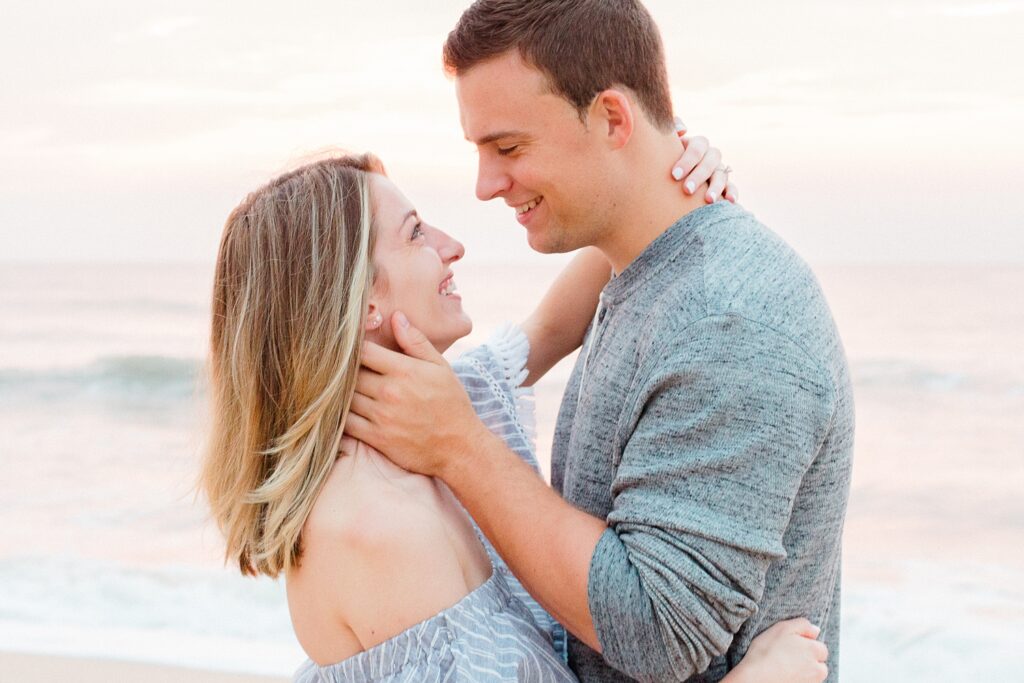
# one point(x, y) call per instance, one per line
point(391, 208)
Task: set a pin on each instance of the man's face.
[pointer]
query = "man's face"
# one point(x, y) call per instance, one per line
point(534, 153)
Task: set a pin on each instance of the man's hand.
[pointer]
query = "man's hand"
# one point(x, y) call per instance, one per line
point(412, 407)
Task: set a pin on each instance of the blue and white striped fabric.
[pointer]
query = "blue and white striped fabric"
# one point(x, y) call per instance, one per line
point(493, 375)
point(497, 632)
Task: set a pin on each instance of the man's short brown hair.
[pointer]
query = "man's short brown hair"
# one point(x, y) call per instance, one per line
point(582, 46)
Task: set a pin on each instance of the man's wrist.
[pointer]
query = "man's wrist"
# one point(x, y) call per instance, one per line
point(468, 446)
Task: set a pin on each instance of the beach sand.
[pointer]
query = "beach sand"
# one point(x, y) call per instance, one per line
point(22, 668)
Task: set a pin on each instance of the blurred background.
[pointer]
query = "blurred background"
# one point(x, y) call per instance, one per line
point(879, 138)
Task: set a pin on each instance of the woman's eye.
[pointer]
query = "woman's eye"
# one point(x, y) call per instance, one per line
point(505, 151)
point(417, 231)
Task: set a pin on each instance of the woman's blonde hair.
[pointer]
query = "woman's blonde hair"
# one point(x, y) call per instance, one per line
point(293, 276)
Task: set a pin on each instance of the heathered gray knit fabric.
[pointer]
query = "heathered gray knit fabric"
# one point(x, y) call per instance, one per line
point(714, 432)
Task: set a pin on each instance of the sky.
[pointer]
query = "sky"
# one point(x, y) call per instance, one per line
point(861, 132)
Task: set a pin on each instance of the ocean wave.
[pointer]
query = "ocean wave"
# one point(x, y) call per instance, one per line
point(902, 374)
point(129, 377)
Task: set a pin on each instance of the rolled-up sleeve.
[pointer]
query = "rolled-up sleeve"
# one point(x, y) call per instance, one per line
point(724, 430)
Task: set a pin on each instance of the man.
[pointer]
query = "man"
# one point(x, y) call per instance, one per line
point(704, 444)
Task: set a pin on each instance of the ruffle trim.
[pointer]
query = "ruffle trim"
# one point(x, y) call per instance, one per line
point(511, 348)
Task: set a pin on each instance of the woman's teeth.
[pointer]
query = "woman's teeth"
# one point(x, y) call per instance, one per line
point(448, 287)
point(529, 205)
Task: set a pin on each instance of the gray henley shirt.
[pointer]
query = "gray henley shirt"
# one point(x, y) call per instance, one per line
point(713, 430)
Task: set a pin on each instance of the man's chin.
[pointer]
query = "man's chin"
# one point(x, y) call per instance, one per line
point(543, 244)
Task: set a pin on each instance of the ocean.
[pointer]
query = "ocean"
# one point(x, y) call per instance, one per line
point(106, 550)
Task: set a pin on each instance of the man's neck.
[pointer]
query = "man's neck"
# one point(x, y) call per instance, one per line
point(652, 202)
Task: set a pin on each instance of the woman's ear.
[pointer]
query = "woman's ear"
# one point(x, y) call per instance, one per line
point(374, 318)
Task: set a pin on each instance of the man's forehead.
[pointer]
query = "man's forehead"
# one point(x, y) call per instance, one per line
point(501, 97)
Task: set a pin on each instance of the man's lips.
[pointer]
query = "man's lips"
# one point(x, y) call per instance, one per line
point(528, 206)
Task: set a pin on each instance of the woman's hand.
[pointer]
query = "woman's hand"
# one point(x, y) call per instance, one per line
point(701, 163)
point(785, 653)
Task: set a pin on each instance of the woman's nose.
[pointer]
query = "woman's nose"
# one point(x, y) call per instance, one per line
point(447, 247)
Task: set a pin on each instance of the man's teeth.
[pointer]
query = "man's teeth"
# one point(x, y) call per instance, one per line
point(529, 205)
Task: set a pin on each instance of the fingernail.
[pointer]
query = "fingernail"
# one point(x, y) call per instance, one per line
point(690, 187)
point(679, 124)
point(403, 322)
point(677, 173)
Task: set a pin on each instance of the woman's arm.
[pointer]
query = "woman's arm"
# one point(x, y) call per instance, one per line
point(556, 327)
point(785, 653)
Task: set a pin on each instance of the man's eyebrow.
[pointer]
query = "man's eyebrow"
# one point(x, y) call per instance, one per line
point(487, 139)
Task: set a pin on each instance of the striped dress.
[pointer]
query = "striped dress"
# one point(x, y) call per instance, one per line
point(497, 632)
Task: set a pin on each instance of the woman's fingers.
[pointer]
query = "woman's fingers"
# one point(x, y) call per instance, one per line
point(803, 627)
point(705, 171)
point(717, 186)
point(696, 150)
point(732, 193)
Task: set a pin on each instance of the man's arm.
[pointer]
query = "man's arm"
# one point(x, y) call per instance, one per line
point(731, 417)
point(546, 542)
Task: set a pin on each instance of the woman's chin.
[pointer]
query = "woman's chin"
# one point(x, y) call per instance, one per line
point(443, 342)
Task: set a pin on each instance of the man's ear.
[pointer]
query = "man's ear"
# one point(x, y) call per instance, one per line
point(613, 111)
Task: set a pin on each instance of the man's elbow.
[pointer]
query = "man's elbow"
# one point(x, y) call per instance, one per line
point(683, 648)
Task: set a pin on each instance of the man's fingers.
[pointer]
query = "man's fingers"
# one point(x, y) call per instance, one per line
point(696, 149)
point(359, 428)
point(381, 360)
point(369, 383)
point(412, 341)
point(362, 406)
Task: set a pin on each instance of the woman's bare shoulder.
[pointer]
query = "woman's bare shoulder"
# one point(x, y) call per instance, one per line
point(360, 510)
point(376, 554)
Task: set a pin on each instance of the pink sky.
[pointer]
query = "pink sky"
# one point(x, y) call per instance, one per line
point(874, 131)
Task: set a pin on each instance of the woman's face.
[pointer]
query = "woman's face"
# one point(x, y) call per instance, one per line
point(413, 263)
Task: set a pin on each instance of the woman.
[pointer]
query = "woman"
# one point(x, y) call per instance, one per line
point(388, 578)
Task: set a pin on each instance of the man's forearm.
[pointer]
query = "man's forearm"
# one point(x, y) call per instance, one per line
point(547, 543)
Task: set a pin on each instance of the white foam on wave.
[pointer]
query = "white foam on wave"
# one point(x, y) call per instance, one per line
point(929, 622)
point(204, 618)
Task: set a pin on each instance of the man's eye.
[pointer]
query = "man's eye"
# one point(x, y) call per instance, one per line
point(504, 151)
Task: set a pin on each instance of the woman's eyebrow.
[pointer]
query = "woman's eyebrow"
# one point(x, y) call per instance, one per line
point(405, 219)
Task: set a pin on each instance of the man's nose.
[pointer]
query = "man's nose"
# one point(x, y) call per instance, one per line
point(491, 180)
